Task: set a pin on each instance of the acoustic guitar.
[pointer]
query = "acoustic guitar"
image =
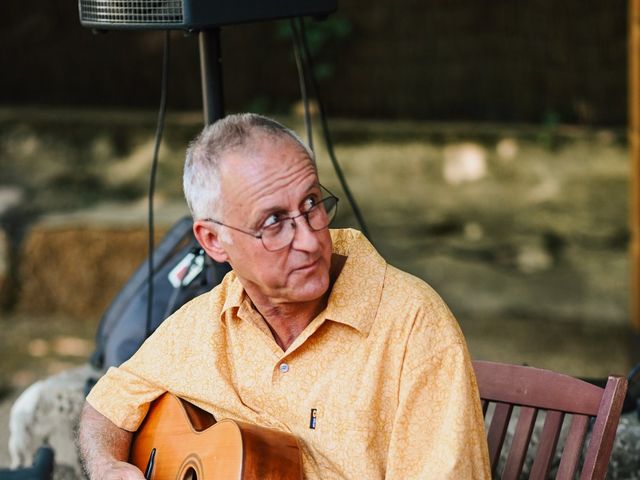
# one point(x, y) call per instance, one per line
point(191, 445)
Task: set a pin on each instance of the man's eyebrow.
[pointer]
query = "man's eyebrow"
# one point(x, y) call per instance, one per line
point(313, 185)
point(260, 215)
point(278, 209)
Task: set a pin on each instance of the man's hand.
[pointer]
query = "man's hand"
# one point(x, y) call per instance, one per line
point(117, 470)
point(104, 448)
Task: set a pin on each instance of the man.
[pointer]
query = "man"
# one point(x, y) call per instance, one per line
point(309, 324)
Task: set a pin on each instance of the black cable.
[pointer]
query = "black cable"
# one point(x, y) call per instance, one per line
point(308, 61)
point(301, 81)
point(152, 176)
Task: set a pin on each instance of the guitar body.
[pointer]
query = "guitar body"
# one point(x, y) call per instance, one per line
point(190, 445)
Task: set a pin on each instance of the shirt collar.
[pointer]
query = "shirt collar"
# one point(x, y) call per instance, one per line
point(355, 295)
point(232, 291)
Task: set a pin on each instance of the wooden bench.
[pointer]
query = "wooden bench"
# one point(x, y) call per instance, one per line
point(532, 390)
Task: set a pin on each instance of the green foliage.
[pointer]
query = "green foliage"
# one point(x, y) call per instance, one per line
point(551, 120)
point(548, 136)
point(323, 38)
point(268, 105)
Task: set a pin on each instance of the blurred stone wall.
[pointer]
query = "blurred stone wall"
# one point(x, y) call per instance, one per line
point(504, 60)
point(72, 204)
point(503, 221)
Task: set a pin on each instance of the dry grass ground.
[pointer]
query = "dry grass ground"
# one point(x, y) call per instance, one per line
point(522, 230)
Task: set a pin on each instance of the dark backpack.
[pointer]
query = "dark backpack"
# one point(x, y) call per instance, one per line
point(123, 326)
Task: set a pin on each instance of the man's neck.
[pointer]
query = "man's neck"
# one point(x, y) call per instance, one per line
point(287, 320)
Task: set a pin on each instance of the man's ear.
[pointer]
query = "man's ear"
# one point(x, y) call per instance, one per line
point(207, 235)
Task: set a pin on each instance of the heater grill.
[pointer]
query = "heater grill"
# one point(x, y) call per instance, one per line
point(192, 15)
point(132, 12)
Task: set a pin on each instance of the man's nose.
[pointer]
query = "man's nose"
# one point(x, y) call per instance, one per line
point(304, 238)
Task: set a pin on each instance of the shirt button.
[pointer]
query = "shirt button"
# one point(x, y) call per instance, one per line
point(284, 367)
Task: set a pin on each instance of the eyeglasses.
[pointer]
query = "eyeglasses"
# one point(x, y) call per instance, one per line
point(279, 234)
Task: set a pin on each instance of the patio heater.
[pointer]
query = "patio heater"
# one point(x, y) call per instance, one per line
point(204, 17)
point(201, 17)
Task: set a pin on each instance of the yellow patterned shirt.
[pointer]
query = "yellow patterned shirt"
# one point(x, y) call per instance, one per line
point(384, 368)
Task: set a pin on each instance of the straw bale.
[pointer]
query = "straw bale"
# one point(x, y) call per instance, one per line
point(4, 263)
point(77, 271)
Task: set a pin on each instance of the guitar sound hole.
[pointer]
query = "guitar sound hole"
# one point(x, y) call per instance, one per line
point(190, 474)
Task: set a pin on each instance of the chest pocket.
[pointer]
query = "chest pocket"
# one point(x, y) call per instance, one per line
point(346, 440)
point(346, 419)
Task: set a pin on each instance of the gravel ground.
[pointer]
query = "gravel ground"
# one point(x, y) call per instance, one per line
point(522, 230)
point(36, 348)
point(5, 407)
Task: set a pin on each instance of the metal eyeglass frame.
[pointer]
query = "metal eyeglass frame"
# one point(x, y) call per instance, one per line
point(260, 233)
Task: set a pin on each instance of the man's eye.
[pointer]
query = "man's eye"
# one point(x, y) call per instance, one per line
point(271, 220)
point(309, 203)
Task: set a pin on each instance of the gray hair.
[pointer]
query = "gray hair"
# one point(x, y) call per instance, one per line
point(201, 179)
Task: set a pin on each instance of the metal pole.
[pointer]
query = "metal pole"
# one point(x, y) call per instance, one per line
point(634, 144)
point(211, 75)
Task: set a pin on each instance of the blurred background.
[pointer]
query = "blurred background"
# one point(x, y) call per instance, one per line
point(485, 142)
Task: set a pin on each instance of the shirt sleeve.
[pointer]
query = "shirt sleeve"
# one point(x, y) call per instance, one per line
point(124, 393)
point(438, 430)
